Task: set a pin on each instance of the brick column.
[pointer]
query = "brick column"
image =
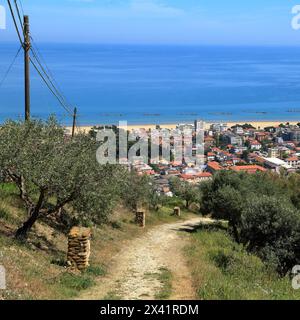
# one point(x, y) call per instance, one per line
point(140, 219)
point(79, 248)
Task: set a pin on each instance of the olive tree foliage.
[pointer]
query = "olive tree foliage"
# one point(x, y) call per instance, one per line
point(185, 190)
point(52, 170)
point(271, 229)
point(223, 198)
point(137, 191)
point(263, 213)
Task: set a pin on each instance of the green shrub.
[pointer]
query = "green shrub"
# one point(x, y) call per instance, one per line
point(223, 270)
point(271, 229)
point(260, 214)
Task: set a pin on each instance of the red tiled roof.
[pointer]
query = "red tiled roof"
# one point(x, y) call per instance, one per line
point(292, 159)
point(261, 133)
point(209, 139)
point(255, 142)
point(249, 168)
point(214, 165)
point(193, 177)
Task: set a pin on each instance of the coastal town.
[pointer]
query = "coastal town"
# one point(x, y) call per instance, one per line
point(240, 148)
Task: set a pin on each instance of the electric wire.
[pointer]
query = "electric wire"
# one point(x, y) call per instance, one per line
point(10, 67)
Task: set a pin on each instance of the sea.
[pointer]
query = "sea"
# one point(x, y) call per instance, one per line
point(156, 84)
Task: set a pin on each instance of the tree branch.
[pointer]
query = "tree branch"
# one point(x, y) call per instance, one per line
point(19, 181)
point(60, 204)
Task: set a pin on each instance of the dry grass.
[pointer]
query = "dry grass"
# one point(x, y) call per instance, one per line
point(36, 270)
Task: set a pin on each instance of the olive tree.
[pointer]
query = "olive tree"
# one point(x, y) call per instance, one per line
point(271, 228)
point(51, 170)
point(185, 190)
point(137, 190)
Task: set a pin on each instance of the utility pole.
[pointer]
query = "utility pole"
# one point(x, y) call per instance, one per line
point(26, 46)
point(74, 122)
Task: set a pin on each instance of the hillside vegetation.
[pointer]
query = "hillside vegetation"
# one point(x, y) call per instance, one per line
point(224, 270)
point(263, 211)
point(36, 269)
point(50, 183)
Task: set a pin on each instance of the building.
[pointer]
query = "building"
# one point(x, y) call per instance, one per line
point(248, 168)
point(293, 162)
point(209, 141)
point(199, 125)
point(261, 136)
point(276, 164)
point(231, 138)
point(273, 152)
point(198, 178)
point(288, 135)
point(211, 156)
point(185, 127)
point(238, 130)
point(255, 145)
point(295, 135)
point(219, 127)
point(213, 167)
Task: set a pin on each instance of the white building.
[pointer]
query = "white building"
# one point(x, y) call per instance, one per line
point(277, 164)
point(293, 162)
point(219, 127)
point(255, 145)
point(273, 152)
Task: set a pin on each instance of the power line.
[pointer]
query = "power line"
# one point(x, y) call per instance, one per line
point(21, 5)
point(19, 16)
point(47, 73)
point(15, 22)
point(46, 76)
point(44, 73)
point(49, 87)
point(10, 67)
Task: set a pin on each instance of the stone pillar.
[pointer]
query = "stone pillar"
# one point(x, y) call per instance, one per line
point(140, 218)
point(177, 211)
point(79, 248)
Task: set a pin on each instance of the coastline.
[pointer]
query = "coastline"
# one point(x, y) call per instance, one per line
point(257, 124)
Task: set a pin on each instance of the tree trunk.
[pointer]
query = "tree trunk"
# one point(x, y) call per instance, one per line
point(235, 233)
point(22, 232)
point(187, 205)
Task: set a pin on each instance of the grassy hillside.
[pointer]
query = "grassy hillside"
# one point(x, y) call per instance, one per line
point(36, 270)
point(223, 270)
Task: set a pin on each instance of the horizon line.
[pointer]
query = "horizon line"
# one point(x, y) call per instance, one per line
point(163, 44)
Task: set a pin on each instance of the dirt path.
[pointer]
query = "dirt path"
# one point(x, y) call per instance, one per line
point(134, 271)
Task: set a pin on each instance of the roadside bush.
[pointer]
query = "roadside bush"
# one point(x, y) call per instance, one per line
point(261, 214)
point(224, 270)
point(271, 228)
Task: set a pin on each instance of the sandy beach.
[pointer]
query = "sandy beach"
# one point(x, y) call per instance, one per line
point(256, 124)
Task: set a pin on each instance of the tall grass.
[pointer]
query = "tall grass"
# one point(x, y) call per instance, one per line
point(223, 270)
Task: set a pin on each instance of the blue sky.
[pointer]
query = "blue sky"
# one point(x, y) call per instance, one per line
point(221, 22)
